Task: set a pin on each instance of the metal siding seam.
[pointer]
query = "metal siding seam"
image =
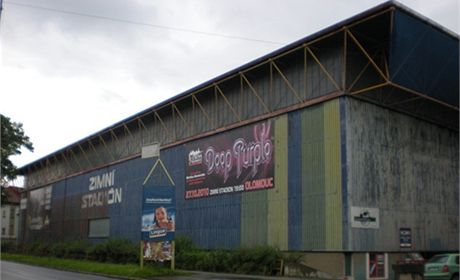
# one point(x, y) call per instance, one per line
point(295, 182)
point(332, 175)
point(277, 225)
point(344, 172)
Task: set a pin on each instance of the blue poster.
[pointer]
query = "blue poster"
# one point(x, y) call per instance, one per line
point(158, 213)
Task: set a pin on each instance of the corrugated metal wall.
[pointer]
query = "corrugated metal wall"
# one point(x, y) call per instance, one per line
point(264, 214)
point(408, 169)
point(403, 166)
point(321, 177)
point(302, 212)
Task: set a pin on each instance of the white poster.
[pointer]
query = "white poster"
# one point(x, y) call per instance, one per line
point(365, 217)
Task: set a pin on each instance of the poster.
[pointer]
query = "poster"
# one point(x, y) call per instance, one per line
point(158, 213)
point(157, 251)
point(236, 161)
point(39, 208)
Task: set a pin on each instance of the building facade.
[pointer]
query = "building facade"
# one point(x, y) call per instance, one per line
point(10, 214)
point(342, 146)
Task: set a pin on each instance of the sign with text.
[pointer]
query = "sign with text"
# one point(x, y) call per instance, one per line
point(236, 161)
point(363, 217)
point(102, 191)
point(405, 238)
point(158, 213)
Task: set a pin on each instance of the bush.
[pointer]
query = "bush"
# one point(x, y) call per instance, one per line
point(117, 250)
point(184, 244)
point(98, 253)
point(8, 246)
point(39, 249)
point(255, 260)
point(58, 250)
point(76, 249)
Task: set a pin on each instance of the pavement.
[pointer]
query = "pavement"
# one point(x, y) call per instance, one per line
point(195, 275)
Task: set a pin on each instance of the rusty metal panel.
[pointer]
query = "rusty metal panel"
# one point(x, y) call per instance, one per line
point(408, 169)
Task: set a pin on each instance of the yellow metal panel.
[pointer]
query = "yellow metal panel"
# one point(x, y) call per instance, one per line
point(332, 169)
point(278, 196)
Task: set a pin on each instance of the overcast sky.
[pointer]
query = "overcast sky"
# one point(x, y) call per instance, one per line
point(72, 68)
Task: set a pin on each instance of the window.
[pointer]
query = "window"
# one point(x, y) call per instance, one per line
point(377, 265)
point(4, 213)
point(11, 230)
point(99, 228)
point(3, 231)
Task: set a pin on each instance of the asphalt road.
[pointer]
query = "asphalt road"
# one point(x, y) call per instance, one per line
point(16, 271)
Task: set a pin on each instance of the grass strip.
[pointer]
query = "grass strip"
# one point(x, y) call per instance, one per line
point(125, 270)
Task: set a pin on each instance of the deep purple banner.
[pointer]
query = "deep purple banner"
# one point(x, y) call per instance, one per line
point(235, 161)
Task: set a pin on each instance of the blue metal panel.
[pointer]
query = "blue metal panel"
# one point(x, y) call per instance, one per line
point(343, 150)
point(212, 222)
point(125, 217)
point(424, 59)
point(295, 181)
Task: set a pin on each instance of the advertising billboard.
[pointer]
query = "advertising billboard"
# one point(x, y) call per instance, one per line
point(236, 161)
point(39, 208)
point(158, 213)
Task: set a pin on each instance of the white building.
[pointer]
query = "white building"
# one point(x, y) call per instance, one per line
point(10, 214)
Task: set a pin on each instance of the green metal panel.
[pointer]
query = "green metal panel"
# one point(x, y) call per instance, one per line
point(277, 234)
point(254, 218)
point(332, 168)
point(313, 200)
point(321, 177)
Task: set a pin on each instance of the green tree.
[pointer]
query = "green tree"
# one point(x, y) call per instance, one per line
point(12, 139)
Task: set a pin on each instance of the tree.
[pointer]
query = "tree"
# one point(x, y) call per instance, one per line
point(12, 139)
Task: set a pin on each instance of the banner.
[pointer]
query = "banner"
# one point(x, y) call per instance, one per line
point(158, 213)
point(236, 161)
point(39, 208)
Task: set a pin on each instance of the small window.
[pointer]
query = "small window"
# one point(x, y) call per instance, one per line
point(4, 213)
point(376, 265)
point(99, 228)
point(3, 231)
